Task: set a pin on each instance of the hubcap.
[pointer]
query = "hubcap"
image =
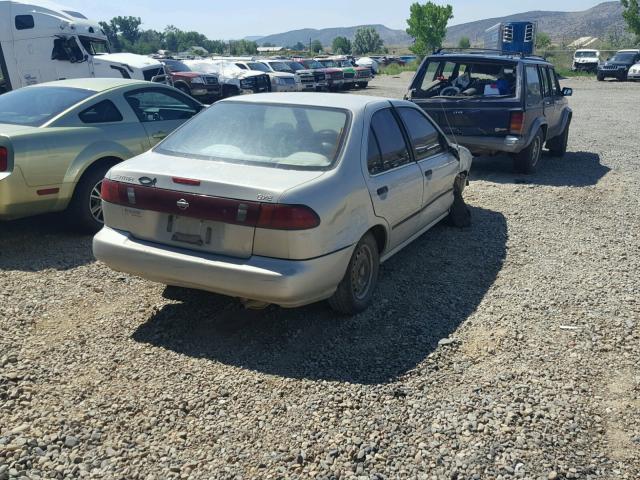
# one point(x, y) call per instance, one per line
point(95, 203)
point(536, 151)
point(362, 272)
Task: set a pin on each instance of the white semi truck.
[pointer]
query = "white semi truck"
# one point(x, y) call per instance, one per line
point(42, 42)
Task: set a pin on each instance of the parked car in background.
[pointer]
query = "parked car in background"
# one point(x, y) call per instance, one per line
point(586, 60)
point(348, 72)
point(370, 63)
point(235, 80)
point(58, 139)
point(334, 76)
point(619, 65)
point(203, 86)
point(239, 204)
point(634, 72)
point(363, 75)
point(42, 42)
point(408, 58)
point(311, 79)
point(280, 81)
point(496, 103)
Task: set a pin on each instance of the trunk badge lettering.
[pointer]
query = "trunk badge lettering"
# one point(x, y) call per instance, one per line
point(148, 182)
point(182, 204)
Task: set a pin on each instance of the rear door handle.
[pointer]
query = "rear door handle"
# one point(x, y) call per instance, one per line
point(428, 173)
point(383, 191)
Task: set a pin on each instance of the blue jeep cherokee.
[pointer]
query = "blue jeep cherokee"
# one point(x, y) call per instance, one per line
point(493, 103)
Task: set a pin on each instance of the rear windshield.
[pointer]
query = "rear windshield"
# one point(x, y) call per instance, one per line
point(35, 106)
point(279, 136)
point(450, 78)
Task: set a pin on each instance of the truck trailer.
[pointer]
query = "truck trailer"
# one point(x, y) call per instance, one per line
point(514, 37)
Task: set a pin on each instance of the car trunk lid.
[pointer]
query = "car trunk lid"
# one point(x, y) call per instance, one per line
point(202, 205)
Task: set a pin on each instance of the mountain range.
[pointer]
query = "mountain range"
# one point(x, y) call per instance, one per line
point(594, 22)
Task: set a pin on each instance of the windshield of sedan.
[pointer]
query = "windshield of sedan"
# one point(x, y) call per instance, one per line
point(258, 66)
point(279, 136)
point(35, 106)
point(449, 78)
point(94, 46)
point(282, 67)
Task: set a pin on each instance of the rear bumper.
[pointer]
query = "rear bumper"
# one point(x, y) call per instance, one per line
point(482, 145)
point(18, 200)
point(287, 283)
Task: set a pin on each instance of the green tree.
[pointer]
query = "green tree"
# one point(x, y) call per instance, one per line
point(543, 41)
point(316, 46)
point(428, 26)
point(128, 27)
point(464, 43)
point(341, 46)
point(242, 47)
point(367, 40)
point(631, 14)
point(111, 31)
point(299, 47)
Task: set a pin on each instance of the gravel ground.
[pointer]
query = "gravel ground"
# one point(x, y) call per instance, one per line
point(506, 350)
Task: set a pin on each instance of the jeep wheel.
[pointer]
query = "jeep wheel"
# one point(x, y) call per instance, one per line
point(527, 160)
point(558, 146)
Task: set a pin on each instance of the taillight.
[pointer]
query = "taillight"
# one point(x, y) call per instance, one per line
point(287, 217)
point(516, 124)
point(4, 159)
point(110, 191)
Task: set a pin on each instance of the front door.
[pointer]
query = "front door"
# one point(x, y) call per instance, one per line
point(161, 111)
point(438, 166)
point(394, 179)
point(552, 103)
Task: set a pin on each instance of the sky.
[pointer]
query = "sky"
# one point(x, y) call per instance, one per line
point(229, 19)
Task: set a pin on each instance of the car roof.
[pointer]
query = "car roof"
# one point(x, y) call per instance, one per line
point(349, 102)
point(491, 57)
point(94, 84)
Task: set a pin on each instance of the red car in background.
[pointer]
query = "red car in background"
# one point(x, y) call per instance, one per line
point(204, 87)
point(335, 76)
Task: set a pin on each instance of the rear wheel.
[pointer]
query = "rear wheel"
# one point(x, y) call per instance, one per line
point(355, 292)
point(85, 210)
point(459, 215)
point(527, 160)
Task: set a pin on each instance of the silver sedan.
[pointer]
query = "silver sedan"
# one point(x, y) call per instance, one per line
point(284, 199)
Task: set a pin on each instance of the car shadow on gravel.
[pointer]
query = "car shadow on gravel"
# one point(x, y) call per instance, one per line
point(43, 242)
point(425, 293)
point(575, 169)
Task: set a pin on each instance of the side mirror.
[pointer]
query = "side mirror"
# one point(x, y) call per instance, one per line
point(567, 92)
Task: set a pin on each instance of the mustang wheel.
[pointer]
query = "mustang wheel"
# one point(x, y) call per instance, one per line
point(85, 210)
point(356, 290)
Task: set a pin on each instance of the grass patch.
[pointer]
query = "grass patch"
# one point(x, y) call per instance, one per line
point(395, 69)
point(568, 73)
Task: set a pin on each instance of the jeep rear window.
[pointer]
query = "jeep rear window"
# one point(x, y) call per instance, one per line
point(466, 78)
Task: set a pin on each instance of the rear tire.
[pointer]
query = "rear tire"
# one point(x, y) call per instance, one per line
point(558, 146)
point(355, 291)
point(84, 213)
point(528, 159)
point(459, 214)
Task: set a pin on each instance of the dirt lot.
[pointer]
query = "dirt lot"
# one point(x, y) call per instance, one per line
point(506, 350)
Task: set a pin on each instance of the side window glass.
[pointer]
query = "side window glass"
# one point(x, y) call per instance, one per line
point(393, 148)
point(546, 82)
point(556, 82)
point(424, 136)
point(24, 22)
point(374, 158)
point(239, 65)
point(103, 112)
point(429, 75)
point(447, 71)
point(158, 106)
point(534, 91)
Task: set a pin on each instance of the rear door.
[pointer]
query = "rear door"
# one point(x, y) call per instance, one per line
point(437, 165)
point(394, 179)
point(161, 110)
point(551, 103)
point(533, 96)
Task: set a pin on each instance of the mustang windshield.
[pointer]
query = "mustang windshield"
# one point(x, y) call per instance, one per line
point(453, 78)
point(280, 136)
point(35, 106)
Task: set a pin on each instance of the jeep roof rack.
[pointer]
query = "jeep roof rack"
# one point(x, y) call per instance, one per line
point(481, 51)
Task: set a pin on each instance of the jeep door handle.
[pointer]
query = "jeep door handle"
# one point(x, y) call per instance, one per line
point(383, 191)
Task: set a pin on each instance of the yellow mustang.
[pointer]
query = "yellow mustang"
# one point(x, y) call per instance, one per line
point(58, 139)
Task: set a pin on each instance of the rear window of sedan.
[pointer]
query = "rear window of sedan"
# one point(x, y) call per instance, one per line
point(279, 136)
point(35, 106)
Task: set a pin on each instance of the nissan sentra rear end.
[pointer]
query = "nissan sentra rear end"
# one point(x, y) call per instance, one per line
point(208, 209)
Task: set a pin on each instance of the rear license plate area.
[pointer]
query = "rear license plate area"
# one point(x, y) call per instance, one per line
point(190, 231)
